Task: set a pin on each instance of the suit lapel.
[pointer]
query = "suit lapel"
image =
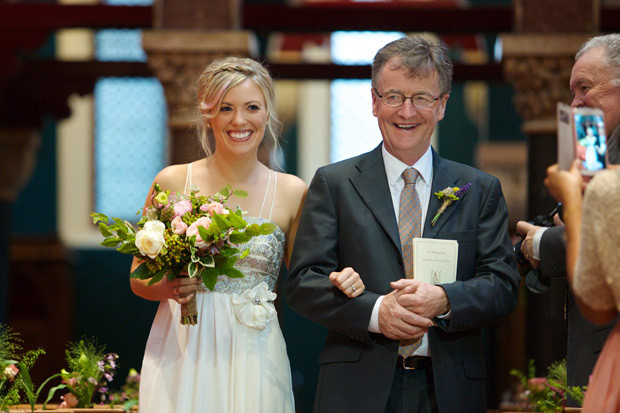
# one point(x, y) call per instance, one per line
point(442, 178)
point(371, 183)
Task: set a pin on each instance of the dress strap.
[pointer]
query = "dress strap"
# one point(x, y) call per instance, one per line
point(273, 199)
point(260, 214)
point(188, 178)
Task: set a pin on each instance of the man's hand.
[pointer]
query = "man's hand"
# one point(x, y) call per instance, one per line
point(426, 300)
point(348, 281)
point(528, 231)
point(397, 322)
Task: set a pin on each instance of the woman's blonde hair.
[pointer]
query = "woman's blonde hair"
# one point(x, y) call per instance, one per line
point(216, 80)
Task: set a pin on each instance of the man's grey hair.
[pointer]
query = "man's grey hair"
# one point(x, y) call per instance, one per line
point(611, 45)
point(419, 56)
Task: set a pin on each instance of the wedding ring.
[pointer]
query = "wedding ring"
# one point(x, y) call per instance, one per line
point(353, 288)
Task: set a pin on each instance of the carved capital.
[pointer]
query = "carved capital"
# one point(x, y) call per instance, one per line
point(178, 57)
point(539, 67)
point(19, 149)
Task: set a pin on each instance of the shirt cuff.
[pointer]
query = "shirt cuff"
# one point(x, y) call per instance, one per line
point(373, 326)
point(536, 243)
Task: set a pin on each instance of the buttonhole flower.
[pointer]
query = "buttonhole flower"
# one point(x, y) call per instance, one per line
point(449, 195)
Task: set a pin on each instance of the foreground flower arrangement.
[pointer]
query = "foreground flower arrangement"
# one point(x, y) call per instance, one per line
point(546, 394)
point(195, 235)
point(89, 373)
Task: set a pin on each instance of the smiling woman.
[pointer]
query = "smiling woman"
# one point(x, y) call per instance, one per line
point(236, 345)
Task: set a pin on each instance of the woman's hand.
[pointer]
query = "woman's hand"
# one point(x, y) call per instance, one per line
point(565, 186)
point(182, 289)
point(348, 281)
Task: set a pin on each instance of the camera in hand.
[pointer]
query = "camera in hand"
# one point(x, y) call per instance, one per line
point(534, 280)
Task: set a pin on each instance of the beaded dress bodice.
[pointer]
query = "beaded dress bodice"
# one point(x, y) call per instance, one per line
point(262, 264)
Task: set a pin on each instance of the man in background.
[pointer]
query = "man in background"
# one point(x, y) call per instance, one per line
point(594, 83)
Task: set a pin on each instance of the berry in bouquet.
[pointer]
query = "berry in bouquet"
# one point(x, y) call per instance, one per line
point(180, 235)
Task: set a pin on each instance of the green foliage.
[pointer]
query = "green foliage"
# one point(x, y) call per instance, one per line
point(214, 255)
point(89, 368)
point(547, 394)
point(14, 370)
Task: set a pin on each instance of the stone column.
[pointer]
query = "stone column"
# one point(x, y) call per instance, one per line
point(18, 150)
point(537, 60)
point(188, 35)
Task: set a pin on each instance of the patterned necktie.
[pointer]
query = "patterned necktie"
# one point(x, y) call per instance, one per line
point(409, 227)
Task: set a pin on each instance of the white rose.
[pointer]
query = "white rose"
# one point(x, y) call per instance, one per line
point(154, 225)
point(150, 242)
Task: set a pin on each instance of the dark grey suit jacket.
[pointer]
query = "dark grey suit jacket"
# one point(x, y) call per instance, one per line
point(348, 221)
point(585, 340)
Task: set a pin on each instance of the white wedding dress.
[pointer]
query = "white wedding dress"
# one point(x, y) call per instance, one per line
point(234, 360)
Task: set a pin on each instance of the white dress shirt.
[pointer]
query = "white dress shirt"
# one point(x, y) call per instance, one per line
point(394, 168)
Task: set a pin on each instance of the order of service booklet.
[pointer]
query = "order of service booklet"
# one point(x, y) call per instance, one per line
point(435, 260)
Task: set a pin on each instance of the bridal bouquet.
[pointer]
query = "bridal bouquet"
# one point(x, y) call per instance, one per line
point(196, 234)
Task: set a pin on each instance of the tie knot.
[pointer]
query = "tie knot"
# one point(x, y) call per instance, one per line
point(410, 176)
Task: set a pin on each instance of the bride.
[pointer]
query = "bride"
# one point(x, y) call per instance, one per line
point(228, 363)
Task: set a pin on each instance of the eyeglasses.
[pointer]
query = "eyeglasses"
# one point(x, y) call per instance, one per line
point(396, 100)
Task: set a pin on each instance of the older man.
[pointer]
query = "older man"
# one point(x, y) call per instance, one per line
point(594, 83)
point(402, 345)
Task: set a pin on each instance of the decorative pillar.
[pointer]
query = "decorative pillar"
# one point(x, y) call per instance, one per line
point(537, 61)
point(190, 34)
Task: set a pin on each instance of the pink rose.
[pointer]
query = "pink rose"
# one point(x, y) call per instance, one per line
point(193, 230)
point(178, 226)
point(214, 208)
point(10, 372)
point(537, 384)
point(182, 207)
point(68, 401)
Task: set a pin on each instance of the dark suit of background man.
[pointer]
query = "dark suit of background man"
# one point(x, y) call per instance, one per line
point(350, 221)
point(595, 83)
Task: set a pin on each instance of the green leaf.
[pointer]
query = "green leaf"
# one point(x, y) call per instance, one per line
point(193, 269)
point(51, 393)
point(121, 225)
point(173, 273)
point(128, 248)
point(239, 237)
point(111, 242)
point(229, 251)
point(221, 223)
point(236, 221)
point(157, 277)
point(130, 227)
point(232, 272)
point(253, 230)
point(225, 191)
point(99, 217)
point(207, 261)
point(240, 193)
point(267, 228)
point(141, 272)
point(105, 231)
point(204, 233)
point(209, 277)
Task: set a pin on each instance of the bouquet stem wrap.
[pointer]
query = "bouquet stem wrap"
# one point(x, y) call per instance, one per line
point(189, 312)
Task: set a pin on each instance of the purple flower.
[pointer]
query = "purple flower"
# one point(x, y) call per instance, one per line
point(108, 376)
point(92, 380)
point(463, 189)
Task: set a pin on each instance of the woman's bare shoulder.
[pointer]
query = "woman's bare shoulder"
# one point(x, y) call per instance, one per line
point(172, 178)
point(292, 186)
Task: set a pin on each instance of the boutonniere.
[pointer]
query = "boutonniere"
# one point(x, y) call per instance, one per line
point(449, 195)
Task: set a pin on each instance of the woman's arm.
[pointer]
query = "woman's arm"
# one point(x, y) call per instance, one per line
point(566, 187)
